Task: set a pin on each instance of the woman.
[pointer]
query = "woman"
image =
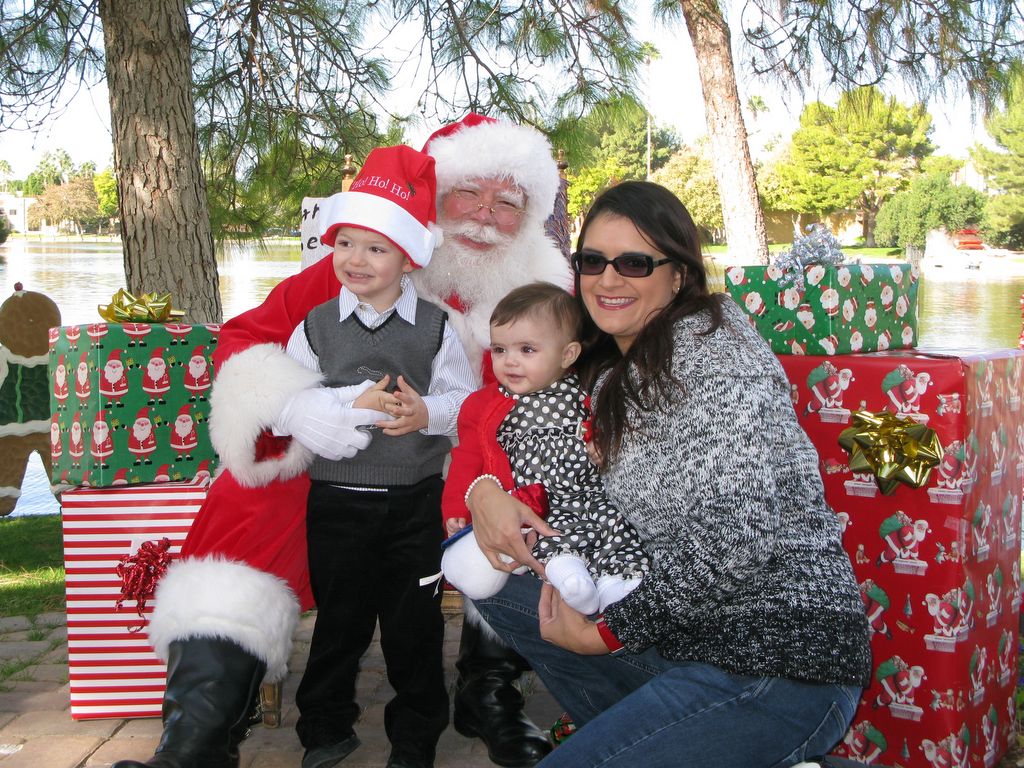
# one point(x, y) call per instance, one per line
point(746, 645)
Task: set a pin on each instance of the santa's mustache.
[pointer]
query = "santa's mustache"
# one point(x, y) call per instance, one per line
point(481, 233)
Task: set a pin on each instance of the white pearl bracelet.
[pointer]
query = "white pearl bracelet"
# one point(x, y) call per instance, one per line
point(473, 485)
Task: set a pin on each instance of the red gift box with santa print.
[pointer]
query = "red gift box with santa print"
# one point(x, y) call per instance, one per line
point(937, 565)
point(128, 402)
point(112, 668)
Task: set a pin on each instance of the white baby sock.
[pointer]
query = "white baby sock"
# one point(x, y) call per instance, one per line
point(569, 575)
point(611, 589)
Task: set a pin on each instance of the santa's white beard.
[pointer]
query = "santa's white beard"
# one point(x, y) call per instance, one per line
point(197, 369)
point(182, 427)
point(76, 433)
point(113, 373)
point(83, 375)
point(156, 370)
point(479, 278)
point(143, 432)
point(100, 433)
point(60, 376)
point(55, 436)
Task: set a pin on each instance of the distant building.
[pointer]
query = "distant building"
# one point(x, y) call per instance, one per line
point(15, 208)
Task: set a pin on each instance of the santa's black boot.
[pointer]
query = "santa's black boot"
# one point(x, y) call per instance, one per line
point(489, 706)
point(210, 687)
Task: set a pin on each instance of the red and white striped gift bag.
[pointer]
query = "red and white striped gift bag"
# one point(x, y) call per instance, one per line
point(112, 668)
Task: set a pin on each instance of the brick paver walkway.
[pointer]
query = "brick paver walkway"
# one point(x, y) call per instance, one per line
point(36, 729)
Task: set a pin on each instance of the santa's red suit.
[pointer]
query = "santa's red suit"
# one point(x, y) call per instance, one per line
point(242, 577)
point(243, 572)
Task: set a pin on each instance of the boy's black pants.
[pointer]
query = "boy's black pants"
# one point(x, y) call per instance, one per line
point(368, 551)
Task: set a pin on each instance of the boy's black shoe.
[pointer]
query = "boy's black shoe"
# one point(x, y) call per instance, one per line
point(330, 755)
point(402, 758)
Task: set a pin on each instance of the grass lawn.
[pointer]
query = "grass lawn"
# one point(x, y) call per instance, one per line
point(31, 565)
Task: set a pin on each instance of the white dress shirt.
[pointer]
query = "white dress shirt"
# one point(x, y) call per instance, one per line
point(451, 376)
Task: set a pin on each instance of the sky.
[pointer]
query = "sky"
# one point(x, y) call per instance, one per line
point(672, 90)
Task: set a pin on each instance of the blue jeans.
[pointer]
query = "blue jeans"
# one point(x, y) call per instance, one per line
point(637, 710)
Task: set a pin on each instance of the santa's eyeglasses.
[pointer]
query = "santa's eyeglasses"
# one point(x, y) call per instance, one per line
point(626, 264)
point(468, 201)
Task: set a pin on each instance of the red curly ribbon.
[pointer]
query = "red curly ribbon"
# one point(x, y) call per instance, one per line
point(139, 574)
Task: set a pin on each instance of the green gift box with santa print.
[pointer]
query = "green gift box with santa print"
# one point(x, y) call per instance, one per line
point(129, 402)
point(835, 309)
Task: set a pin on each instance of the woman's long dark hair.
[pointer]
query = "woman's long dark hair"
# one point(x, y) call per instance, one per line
point(666, 224)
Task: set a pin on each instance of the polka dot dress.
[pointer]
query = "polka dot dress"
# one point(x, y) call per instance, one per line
point(543, 438)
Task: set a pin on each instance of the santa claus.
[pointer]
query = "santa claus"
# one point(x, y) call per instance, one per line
point(197, 375)
point(60, 383)
point(114, 381)
point(183, 434)
point(83, 386)
point(142, 441)
point(102, 446)
point(226, 611)
point(76, 441)
point(56, 450)
point(156, 381)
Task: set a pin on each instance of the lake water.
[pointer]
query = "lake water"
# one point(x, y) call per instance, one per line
point(958, 310)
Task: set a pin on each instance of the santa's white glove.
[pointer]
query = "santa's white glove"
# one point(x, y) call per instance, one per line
point(316, 419)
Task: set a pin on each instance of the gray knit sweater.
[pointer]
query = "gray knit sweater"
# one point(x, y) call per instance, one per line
point(724, 489)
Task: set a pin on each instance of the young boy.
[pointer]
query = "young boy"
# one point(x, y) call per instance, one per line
point(373, 520)
point(527, 433)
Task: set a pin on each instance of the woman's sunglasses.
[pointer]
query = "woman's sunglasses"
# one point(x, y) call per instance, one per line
point(627, 265)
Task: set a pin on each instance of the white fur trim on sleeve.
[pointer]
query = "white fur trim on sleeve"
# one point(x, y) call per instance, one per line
point(249, 393)
point(213, 597)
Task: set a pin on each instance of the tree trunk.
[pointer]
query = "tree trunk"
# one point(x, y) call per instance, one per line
point(868, 214)
point(741, 208)
point(165, 220)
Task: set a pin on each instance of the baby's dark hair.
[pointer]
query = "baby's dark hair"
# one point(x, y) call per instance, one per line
point(540, 298)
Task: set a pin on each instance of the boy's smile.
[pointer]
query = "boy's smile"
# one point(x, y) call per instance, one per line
point(370, 266)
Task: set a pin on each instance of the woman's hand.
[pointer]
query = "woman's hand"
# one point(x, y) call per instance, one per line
point(566, 627)
point(498, 520)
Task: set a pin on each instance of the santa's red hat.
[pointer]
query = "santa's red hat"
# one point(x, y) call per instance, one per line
point(143, 413)
point(60, 360)
point(100, 416)
point(115, 354)
point(482, 147)
point(185, 410)
point(392, 195)
point(199, 351)
point(77, 419)
point(156, 353)
point(83, 358)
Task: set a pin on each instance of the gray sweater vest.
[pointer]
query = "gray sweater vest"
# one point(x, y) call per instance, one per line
point(349, 353)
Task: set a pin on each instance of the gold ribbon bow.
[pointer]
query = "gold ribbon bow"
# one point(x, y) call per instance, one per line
point(147, 308)
point(894, 450)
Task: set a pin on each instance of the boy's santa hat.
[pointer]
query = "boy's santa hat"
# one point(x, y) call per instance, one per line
point(482, 147)
point(393, 195)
